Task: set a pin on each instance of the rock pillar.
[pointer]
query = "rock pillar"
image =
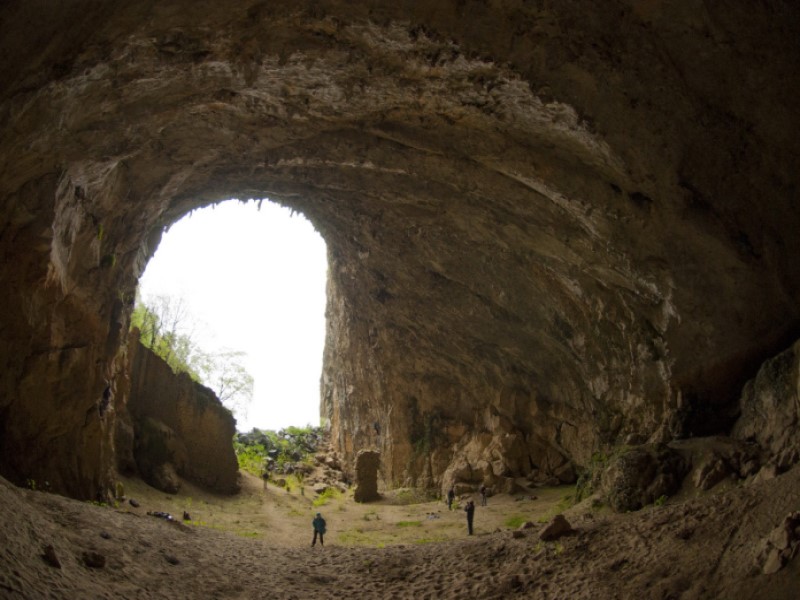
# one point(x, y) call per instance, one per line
point(367, 463)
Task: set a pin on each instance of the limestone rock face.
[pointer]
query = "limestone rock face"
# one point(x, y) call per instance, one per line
point(159, 454)
point(770, 408)
point(550, 226)
point(179, 427)
point(367, 464)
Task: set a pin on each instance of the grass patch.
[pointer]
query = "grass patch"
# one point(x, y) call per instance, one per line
point(430, 540)
point(248, 534)
point(566, 501)
point(326, 496)
point(409, 523)
point(355, 537)
point(514, 521)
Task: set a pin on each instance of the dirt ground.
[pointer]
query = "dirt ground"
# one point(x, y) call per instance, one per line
point(283, 517)
point(257, 545)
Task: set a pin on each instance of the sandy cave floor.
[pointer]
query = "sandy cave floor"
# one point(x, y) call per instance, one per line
point(256, 545)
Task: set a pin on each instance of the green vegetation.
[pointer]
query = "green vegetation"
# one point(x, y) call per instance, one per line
point(251, 457)
point(589, 479)
point(566, 501)
point(514, 521)
point(284, 518)
point(409, 523)
point(274, 450)
point(165, 326)
point(248, 534)
point(108, 261)
point(427, 429)
point(326, 496)
point(355, 537)
point(430, 540)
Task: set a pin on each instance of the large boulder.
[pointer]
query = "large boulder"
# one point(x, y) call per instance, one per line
point(639, 476)
point(770, 409)
point(497, 459)
point(715, 459)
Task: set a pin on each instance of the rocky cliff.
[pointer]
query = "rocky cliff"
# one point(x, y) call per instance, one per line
point(171, 424)
point(551, 227)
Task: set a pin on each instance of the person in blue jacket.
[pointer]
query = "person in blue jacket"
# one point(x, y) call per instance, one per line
point(319, 529)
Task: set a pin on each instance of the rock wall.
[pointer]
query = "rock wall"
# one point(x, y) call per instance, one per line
point(178, 422)
point(551, 226)
point(770, 409)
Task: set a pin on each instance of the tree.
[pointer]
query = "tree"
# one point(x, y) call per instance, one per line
point(223, 372)
point(166, 327)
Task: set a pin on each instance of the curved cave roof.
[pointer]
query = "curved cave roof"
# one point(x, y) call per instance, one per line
point(572, 222)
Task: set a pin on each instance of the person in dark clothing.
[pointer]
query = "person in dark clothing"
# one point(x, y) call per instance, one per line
point(451, 495)
point(483, 495)
point(470, 510)
point(319, 529)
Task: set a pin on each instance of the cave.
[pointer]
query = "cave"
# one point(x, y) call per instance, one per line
point(552, 228)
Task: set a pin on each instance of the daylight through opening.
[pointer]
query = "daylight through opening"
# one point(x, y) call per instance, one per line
point(243, 284)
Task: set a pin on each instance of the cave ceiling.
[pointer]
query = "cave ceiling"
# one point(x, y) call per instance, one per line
point(547, 213)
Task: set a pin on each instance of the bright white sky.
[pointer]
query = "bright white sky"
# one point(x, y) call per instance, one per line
point(254, 280)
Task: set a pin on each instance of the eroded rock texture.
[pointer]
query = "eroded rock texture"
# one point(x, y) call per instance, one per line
point(770, 409)
point(178, 427)
point(366, 468)
point(550, 226)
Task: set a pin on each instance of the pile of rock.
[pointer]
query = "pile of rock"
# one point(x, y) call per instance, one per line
point(782, 545)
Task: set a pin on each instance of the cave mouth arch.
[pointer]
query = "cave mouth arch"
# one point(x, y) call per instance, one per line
point(527, 238)
point(251, 276)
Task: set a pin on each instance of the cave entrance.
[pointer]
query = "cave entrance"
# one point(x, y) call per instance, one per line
point(249, 277)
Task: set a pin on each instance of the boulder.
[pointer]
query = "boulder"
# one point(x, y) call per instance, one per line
point(556, 528)
point(711, 473)
point(781, 545)
point(640, 475)
point(164, 478)
point(770, 408)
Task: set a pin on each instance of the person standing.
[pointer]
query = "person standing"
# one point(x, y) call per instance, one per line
point(451, 495)
point(470, 510)
point(319, 529)
point(483, 495)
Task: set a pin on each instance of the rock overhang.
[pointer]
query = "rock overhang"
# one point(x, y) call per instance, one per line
point(562, 242)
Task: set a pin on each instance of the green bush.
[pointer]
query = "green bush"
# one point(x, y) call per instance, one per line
point(288, 446)
point(251, 458)
point(326, 496)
